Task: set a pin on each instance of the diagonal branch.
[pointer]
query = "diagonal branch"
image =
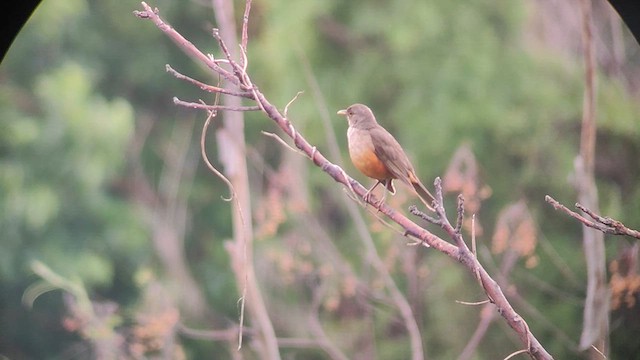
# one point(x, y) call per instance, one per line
point(202, 106)
point(186, 45)
point(459, 252)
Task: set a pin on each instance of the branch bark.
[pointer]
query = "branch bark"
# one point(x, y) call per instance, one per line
point(606, 225)
point(596, 310)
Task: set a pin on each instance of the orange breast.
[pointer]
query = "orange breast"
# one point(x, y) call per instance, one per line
point(363, 156)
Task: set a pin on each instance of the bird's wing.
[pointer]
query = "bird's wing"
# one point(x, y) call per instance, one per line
point(394, 158)
point(391, 154)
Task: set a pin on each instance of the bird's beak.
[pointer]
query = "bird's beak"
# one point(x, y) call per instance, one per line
point(342, 112)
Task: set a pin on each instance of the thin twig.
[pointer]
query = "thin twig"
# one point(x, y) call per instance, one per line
point(460, 218)
point(237, 69)
point(598, 351)
point(281, 141)
point(347, 178)
point(604, 224)
point(207, 87)
point(205, 158)
point(483, 302)
point(203, 106)
point(617, 228)
point(424, 216)
point(473, 235)
point(184, 44)
point(286, 108)
point(245, 29)
point(440, 210)
point(523, 351)
point(444, 221)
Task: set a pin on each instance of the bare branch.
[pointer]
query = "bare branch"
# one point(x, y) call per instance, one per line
point(424, 216)
point(606, 225)
point(205, 158)
point(444, 221)
point(460, 218)
point(207, 87)
point(245, 30)
point(184, 44)
point(281, 141)
point(483, 302)
point(286, 108)
point(202, 106)
point(594, 348)
point(523, 351)
point(237, 69)
point(473, 235)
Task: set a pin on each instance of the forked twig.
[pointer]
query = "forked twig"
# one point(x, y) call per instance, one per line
point(207, 87)
point(213, 108)
point(604, 224)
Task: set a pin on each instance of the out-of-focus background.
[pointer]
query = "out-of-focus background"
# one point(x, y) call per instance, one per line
point(115, 239)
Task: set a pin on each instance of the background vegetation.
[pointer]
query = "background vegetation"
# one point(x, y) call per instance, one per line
point(104, 196)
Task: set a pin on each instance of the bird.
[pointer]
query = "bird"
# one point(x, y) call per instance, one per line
point(378, 155)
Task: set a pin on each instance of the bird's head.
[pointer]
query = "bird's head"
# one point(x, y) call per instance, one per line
point(358, 115)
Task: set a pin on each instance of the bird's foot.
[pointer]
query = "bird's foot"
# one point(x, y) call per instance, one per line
point(376, 204)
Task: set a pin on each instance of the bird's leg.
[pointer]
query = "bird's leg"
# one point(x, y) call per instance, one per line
point(367, 195)
point(383, 198)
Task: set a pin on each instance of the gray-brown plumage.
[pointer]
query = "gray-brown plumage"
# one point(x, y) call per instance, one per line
point(378, 155)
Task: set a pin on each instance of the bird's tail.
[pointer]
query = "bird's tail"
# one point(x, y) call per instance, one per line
point(422, 192)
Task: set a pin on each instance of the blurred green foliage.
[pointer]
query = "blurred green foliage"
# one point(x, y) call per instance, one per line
point(82, 74)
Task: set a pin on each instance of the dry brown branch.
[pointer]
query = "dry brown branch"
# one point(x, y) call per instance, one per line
point(201, 106)
point(205, 158)
point(523, 351)
point(460, 218)
point(475, 303)
point(606, 225)
point(511, 253)
point(245, 31)
point(596, 310)
point(207, 87)
point(491, 287)
point(184, 44)
point(473, 235)
point(286, 108)
point(459, 252)
point(599, 352)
